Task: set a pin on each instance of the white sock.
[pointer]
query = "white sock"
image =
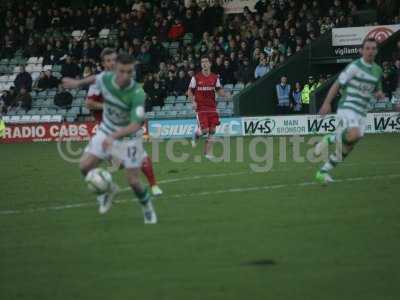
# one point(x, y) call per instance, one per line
point(330, 164)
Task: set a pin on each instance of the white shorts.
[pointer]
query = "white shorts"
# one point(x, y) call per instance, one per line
point(347, 118)
point(130, 151)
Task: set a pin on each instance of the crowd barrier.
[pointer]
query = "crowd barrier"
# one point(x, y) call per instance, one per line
point(183, 128)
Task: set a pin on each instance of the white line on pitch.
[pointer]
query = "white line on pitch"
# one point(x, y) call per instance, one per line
point(205, 193)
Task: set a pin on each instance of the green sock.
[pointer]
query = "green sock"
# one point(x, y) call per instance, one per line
point(331, 139)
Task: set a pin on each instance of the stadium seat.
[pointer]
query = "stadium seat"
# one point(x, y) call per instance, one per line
point(15, 119)
point(51, 93)
point(62, 112)
point(56, 68)
point(104, 33)
point(156, 108)
point(33, 111)
point(221, 104)
point(171, 114)
point(32, 60)
point(170, 100)
point(78, 34)
point(45, 118)
point(150, 115)
point(161, 114)
point(228, 87)
point(25, 119)
point(167, 107)
point(35, 118)
point(47, 68)
point(85, 111)
point(20, 112)
point(82, 93)
point(238, 86)
point(56, 118)
point(181, 99)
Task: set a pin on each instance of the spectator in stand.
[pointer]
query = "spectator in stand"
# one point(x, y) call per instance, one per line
point(397, 72)
point(261, 69)
point(8, 98)
point(157, 51)
point(176, 31)
point(93, 51)
point(48, 55)
point(87, 71)
point(156, 95)
point(227, 75)
point(70, 68)
point(3, 110)
point(144, 58)
point(388, 79)
point(23, 80)
point(218, 66)
point(245, 72)
point(24, 99)
point(182, 83)
point(283, 95)
point(170, 83)
point(320, 82)
point(31, 49)
point(296, 98)
point(63, 98)
point(148, 83)
point(46, 81)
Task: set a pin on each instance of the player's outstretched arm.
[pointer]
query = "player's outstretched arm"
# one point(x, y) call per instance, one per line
point(71, 83)
point(93, 105)
point(191, 98)
point(326, 108)
point(221, 92)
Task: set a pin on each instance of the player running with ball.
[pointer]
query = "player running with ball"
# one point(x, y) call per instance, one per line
point(360, 82)
point(95, 101)
point(119, 132)
point(202, 89)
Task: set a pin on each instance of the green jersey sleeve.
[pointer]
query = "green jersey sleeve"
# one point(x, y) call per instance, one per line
point(137, 108)
point(346, 75)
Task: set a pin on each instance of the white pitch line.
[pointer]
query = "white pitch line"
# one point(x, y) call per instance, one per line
point(190, 178)
point(205, 193)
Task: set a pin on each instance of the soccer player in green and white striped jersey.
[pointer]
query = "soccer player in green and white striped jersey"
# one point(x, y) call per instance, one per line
point(119, 132)
point(360, 82)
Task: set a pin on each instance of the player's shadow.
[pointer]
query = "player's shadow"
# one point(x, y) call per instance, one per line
point(260, 263)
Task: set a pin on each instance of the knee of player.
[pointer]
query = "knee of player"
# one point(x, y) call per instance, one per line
point(354, 135)
point(133, 181)
point(84, 167)
point(205, 131)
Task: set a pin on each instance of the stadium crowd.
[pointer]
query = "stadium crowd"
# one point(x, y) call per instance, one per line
point(243, 47)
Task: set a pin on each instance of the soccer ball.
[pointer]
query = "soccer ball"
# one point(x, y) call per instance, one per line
point(98, 180)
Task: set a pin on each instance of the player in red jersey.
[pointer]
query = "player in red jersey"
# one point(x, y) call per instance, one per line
point(94, 102)
point(202, 89)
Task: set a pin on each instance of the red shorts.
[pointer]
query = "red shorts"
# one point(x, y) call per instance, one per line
point(208, 119)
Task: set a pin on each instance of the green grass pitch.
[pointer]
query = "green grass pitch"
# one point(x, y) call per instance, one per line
point(224, 231)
